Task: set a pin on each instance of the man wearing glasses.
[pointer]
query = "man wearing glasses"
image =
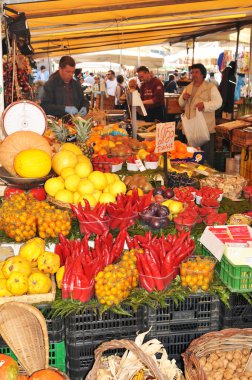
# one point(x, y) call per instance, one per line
point(152, 95)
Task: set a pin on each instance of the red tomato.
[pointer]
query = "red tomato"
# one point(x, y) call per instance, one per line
point(9, 191)
point(38, 193)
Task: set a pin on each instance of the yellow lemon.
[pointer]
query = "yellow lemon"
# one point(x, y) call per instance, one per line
point(85, 187)
point(71, 182)
point(83, 169)
point(32, 163)
point(72, 147)
point(117, 187)
point(97, 194)
point(4, 292)
point(98, 179)
point(90, 198)
point(39, 283)
point(59, 276)
point(66, 172)
point(53, 185)
point(107, 198)
point(82, 158)
point(110, 177)
point(76, 197)
point(64, 196)
point(16, 264)
point(17, 284)
point(63, 159)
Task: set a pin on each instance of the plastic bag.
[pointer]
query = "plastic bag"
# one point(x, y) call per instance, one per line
point(196, 129)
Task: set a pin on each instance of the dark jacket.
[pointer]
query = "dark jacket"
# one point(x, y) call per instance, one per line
point(170, 87)
point(54, 99)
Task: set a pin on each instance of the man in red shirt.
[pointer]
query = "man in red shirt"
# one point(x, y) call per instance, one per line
point(152, 94)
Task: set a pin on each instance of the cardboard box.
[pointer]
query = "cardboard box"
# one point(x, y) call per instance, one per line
point(227, 240)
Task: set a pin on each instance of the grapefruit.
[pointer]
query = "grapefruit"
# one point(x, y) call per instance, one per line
point(83, 169)
point(110, 177)
point(98, 179)
point(107, 198)
point(117, 187)
point(71, 182)
point(82, 158)
point(53, 185)
point(63, 159)
point(85, 187)
point(64, 196)
point(32, 163)
point(72, 148)
point(66, 172)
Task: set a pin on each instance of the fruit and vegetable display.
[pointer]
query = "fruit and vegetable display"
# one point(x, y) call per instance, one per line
point(197, 272)
point(23, 217)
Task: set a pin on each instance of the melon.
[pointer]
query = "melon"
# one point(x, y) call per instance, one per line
point(32, 163)
point(17, 142)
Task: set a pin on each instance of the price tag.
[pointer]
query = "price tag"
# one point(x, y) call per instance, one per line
point(140, 165)
point(165, 134)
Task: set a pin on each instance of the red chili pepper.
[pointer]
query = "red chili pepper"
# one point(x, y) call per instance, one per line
point(143, 282)
point(159, 283)
point(119, 244)
point(147, 272)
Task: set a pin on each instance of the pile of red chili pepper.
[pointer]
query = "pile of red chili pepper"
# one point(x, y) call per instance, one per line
point(91, 220)
point(82, 262)
point(158, 259)
point(124, 212)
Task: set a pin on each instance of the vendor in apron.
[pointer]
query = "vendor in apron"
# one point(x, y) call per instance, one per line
point(152, 95)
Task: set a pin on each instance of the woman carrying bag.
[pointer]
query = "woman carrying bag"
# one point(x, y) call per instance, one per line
point(200, 98)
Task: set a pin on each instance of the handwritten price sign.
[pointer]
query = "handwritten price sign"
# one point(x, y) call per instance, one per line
point(165, 134)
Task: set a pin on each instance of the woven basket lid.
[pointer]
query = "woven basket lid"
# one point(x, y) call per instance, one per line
point(23, 327)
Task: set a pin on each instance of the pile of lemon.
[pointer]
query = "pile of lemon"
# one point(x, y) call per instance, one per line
point(29, 272)
point(77, 181)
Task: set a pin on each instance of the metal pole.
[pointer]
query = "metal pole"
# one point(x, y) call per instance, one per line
point(250, 64)
point(237, 43)
point(138, 57)
point(134, 121)
point(193, 47)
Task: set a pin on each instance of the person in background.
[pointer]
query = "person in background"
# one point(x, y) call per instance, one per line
point(152, 95)
point(79, 76)
point(212, 79)
point(205, 97)
point(120, 90)
point(62, 94)
point(42, 75)
point(111, 83)
point(227, 87)
point(90, 79)
point(171, 85)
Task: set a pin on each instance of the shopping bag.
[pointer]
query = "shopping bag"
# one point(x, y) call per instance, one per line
point(195, 129)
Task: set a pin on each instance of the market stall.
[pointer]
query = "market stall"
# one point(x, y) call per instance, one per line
point(110, 249)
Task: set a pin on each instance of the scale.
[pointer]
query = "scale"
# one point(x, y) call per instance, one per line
point(24, 115)
point(27, 116)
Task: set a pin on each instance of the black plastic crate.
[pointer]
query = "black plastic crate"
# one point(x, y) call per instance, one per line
point(199, 312)
point(239, 315)
point(89, 327)
point(80, 358)
point(55, 326)
point(177, 343)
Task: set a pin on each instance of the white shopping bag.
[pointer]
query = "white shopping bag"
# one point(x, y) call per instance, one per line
point(196, 129)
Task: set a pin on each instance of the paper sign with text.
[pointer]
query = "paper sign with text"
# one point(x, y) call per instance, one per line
point(165, 134)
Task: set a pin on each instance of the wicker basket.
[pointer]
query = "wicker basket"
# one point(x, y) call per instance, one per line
point(131, 346)
point(242, 137)
point(59, 204)
point(225, 340)
point(24, 329)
